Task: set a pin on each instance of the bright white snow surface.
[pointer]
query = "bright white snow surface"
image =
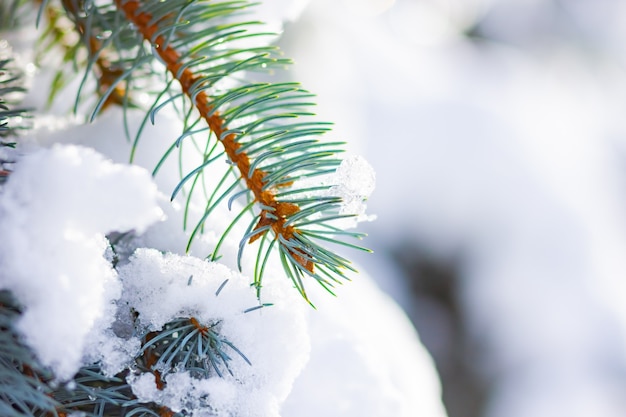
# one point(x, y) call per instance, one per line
point(508, 150)
point(356, 355)
point(275, 340)
point(54, 212)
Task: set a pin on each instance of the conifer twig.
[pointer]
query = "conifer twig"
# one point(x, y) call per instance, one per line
point(262, 128)
point(255, 178)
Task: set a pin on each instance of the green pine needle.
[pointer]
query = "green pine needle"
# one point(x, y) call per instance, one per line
point(204, 57)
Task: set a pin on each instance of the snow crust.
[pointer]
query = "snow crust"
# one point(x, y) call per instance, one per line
point(162, 287)
point(54, 212)
point(288, 367)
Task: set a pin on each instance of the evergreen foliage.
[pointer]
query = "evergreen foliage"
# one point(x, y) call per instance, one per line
point(206, 60)
point(10, 84)
point(198, 53)
point(23, 387)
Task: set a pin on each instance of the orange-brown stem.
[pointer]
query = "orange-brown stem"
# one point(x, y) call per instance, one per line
point(256, 181)
point(166, 412)
point(202, 329)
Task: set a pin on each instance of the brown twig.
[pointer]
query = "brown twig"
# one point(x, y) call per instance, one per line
point(276, 213)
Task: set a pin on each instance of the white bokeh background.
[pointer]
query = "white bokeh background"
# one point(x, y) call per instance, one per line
point(497, 131)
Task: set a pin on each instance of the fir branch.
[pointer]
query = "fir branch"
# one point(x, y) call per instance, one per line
point(281, 151)
point(23, 381)
point(10, 85)
point(187, 345)
point(93, 394)
point(183, 345)
point(11, 120)
point(265, 130)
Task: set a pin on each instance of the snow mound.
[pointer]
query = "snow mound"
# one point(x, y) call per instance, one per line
point(163, 287)
point(366, 360)
point(56, 207)
point(356, 180)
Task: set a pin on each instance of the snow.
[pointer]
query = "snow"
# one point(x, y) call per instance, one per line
point(161, 288)
point(199, 397)
point(55, 209)
point(364, 361)
point(356, 180)
point(356, 355)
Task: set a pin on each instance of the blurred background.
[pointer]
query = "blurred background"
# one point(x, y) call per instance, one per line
point(498, 132)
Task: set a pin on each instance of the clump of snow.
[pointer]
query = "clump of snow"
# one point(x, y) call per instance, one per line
point(54, 212)
point(365, 360)
point(106, 135)
point(184, 393)
point(354, 181)
point(144, 387)
point(162, 287)
point(105, 347)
